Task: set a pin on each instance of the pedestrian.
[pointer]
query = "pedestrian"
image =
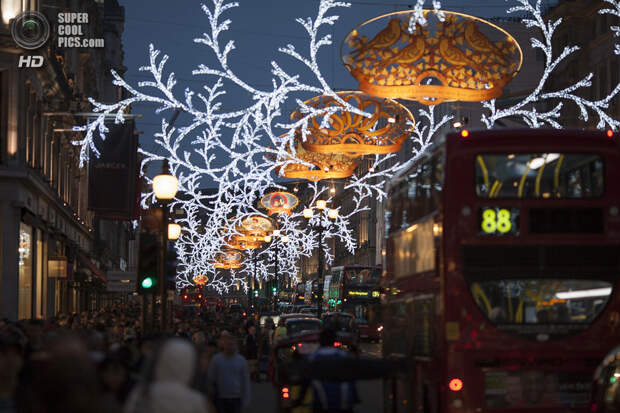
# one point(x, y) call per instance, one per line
point(228, 377)
point(166, 387)
point(329, 396)
point(280, 331)
point(251, 351)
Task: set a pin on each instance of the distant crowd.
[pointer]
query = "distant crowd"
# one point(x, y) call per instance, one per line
point(104, 362)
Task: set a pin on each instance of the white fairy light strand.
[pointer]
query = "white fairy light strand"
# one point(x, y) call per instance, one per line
point(526, 108)
point(614, 11)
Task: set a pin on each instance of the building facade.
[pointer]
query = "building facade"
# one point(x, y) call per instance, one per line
point(54, 252)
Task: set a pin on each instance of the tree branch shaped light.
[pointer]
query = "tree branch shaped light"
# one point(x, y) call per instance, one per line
point(258, 141)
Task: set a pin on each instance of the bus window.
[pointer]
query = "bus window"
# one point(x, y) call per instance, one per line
point(568, 305)
point(423, 326)
point(539, 175)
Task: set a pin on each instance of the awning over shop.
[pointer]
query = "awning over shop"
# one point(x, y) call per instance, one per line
point(96, 271)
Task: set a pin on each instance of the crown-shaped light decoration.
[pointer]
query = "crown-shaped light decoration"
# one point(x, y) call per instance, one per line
point(326, 165)
point(242, 243)
point(256, 225)
point(353, 134)
point(228, 259)
point(279, 202)
point(200, 279)
point(460, 58)
point(252, 232)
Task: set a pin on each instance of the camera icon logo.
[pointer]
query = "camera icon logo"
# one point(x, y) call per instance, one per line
point(30, 30)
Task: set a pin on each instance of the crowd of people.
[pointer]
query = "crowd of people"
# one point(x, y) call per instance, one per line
point(104, 362)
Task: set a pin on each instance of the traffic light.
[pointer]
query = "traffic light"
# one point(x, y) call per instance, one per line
point(255, 293)
point(274, 289)
point(171, 267)
point(147, 263)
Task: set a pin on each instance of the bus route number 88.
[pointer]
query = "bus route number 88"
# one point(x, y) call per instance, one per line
point(499, 221)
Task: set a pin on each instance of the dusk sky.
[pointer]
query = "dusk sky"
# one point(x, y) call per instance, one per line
point(258, 27)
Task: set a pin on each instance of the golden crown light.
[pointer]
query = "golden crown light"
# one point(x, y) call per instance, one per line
point(256, 225)
point(242, 243)
point(200, 279)
point(279, 202)
point(463, 58)
point(325, 165)
point(228, 259)
point(351, 134)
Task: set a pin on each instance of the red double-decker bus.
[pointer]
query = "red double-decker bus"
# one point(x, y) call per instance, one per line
point(502, 261)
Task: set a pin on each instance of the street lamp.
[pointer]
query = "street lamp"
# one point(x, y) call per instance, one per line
point(174, 232)
point(332, 214)
point(165, 187)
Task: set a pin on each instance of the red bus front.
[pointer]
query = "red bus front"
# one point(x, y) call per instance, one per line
point(522, 291)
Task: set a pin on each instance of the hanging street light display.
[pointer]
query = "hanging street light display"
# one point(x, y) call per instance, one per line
point(455, 57)
point(324, 165)
point(228, 259)
point(279, 202)
point(427, 56)
point(200, 279)
point(352, 134)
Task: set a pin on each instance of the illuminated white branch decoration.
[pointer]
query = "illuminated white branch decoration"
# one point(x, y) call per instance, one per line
point(614, 11)
point(256, 139)
point(526, 108)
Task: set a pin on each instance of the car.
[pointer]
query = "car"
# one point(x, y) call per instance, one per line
point(605, 394)
point(275, 317)
point(309, 310)
point(283, 379)
point(369, 331)
point(303, 325)
point(295, 315)
point(340, 321)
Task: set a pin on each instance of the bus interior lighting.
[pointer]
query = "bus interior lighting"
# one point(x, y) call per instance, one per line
point(456, 384)
point(543, 160)
point(595, 292)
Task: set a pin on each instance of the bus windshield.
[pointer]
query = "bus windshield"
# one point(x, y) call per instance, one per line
point(539, 175)
point(362, 275)
point(524, 302)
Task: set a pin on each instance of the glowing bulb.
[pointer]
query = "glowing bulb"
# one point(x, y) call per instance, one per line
point(174, 231)
point(276, 232)
point(308, 213)
point(165, 186)
point(332, 214)
point(321, 204)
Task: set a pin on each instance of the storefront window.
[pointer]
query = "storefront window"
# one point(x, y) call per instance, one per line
point(25, 272)
point(40, 267)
